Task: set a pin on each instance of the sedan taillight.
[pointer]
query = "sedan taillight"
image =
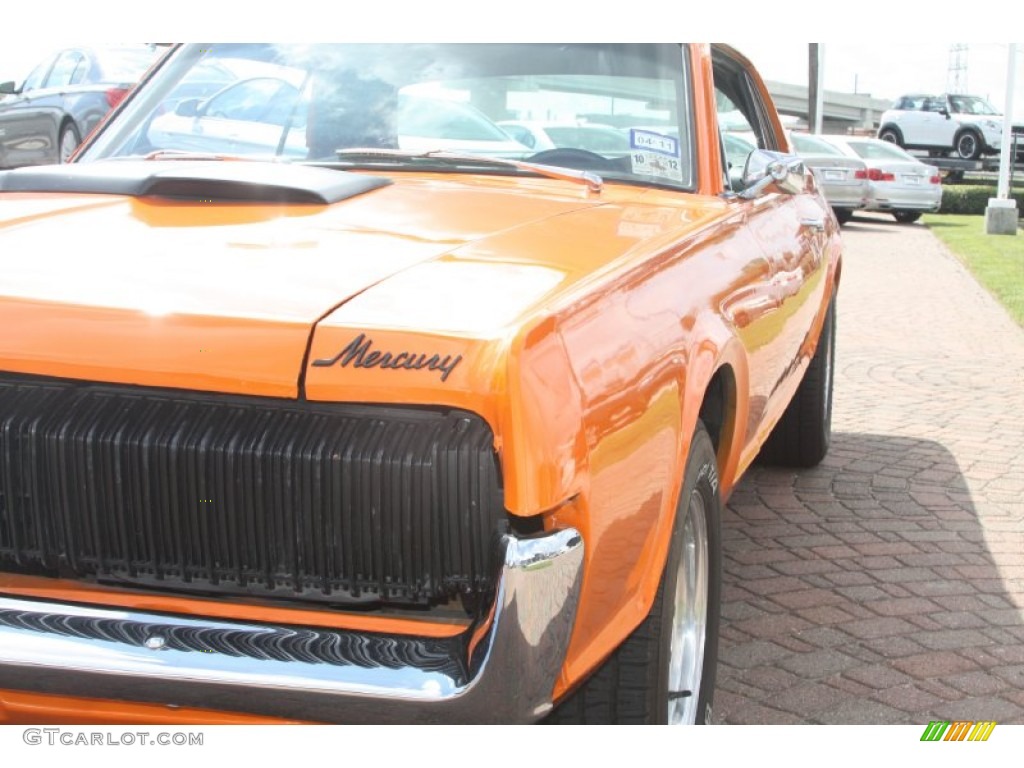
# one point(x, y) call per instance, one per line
point(115, 95)
point(876, 175)
point(860, 174)
point(936, 179)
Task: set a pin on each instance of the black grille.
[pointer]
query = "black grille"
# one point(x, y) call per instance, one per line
point(222, 494)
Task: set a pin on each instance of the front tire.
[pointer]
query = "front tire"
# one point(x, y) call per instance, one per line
point(892, 135)
point(692, 602)
point(665, 671)
point(802, 436)
point(67, 143)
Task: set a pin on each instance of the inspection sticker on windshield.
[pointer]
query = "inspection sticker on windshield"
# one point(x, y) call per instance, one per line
point(654, 154)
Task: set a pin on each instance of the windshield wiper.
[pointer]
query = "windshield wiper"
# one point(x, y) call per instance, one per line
point(362, 155)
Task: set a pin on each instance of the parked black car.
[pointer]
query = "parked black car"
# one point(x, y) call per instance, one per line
point(45, 117)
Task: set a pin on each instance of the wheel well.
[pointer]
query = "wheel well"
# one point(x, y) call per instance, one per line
point(718, 411)
point(890, 127)
point(68, 120)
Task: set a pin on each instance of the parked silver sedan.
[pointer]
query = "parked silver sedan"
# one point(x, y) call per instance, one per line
point(900, 184)
point(842, 178)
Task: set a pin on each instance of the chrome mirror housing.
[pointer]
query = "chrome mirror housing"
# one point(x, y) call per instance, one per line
point(769, 171)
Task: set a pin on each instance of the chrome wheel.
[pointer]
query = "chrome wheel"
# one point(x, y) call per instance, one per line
point(968, 146)
point(689, 616)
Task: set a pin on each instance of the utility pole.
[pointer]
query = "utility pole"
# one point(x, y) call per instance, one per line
point(815, 90)
point(812, 88)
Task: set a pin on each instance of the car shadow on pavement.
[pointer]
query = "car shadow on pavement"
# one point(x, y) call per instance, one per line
point(868, 590)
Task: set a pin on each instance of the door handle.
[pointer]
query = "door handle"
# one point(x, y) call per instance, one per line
point(817, 225)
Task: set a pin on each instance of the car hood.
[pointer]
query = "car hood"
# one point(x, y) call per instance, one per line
point(131, 283)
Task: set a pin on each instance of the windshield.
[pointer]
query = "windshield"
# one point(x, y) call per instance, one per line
point(303, 102)
point(971, 105)
point(811, 145)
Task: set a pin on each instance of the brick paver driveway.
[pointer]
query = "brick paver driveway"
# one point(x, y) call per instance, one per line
point(887, 585)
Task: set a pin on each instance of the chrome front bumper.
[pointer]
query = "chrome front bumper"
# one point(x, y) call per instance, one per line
point(501, 672)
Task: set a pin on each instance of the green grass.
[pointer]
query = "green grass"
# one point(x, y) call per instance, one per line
point(997, 261)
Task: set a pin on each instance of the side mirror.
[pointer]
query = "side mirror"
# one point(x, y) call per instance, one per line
point(945, 112)
point(187, 108)
point(8, 88)
point(767, 171)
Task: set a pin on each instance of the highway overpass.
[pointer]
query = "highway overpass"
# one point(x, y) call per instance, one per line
point(841, 111)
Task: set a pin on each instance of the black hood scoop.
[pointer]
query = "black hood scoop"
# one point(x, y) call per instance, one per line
point(208, 181)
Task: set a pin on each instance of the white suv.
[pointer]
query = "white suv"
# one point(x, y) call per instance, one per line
point(967, 126)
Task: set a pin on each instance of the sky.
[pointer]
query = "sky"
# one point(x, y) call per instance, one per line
point(771, 34)
point(887, 71)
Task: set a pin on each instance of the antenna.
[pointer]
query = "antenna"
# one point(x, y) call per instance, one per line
point(956, 75)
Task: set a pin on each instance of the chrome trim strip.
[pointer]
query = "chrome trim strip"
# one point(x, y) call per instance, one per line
point(304, 673)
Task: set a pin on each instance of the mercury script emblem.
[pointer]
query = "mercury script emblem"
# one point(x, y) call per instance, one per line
point(359, 354)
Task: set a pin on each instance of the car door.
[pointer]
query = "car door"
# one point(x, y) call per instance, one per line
point(27, 136)
point(936, 127)
point(910, 116)
point(790, 232)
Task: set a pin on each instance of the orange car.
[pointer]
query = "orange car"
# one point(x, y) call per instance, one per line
point(329, 401)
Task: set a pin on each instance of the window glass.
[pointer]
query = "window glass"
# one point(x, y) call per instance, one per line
point(595, 138)
point(879, 150)
point(914, 103)
point(812, 145)
point(972, 105)
point(624, 109)
point(35, 77)
point(62, 70)
point(80, 72)
point(265, 100)
point(742, 116)
point(520, 133)
point(124, 65)
point(441, 119)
